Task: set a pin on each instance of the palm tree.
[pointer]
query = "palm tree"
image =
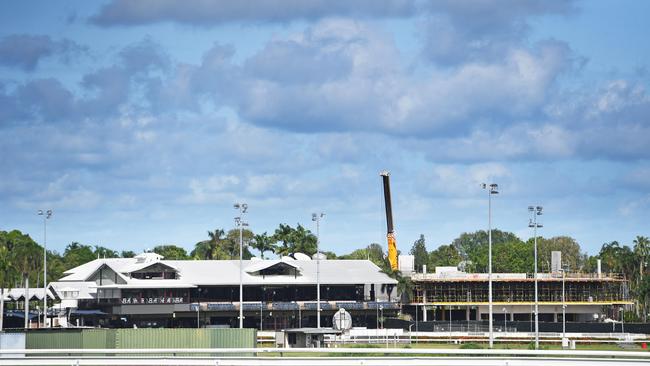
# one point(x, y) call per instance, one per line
point(216, 240)
point(29, 258)
point(263, 243)
point(283, 234)
point(8, 276)
point(641, 250)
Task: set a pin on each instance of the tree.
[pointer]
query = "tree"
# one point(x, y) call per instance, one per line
point(444, 256)
point(231, 243)
point(473, 247)
point(263, 243)
point(641, 250)
point(420, 254)
point(572, 254)
point(103, 252)
point(374, 252)
point(28, 260)
point(127, 254)
point(171, 252)
point(76, 254)
point(8, 272)
point(211, 248)
point(513, 257)
point(298, 240)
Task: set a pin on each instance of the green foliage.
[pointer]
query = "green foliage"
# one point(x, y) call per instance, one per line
point(473, 247)
point(102, 252)
point(171, 252)
point(444, 256)
point(329, 255)
point(127, 254)
point(263, 243)
point(76, 254)
point(571, 252)
point(420, 254)
point(374, 252)
point(298, 240)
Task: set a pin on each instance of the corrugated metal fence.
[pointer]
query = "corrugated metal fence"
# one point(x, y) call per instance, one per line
point(133, 338)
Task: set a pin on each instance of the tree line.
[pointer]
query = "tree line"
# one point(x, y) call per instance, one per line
point(21, 258)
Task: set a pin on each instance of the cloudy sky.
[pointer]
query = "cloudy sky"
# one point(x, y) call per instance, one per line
point(141, 122)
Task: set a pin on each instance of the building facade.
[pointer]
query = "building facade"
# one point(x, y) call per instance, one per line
point(148, 291)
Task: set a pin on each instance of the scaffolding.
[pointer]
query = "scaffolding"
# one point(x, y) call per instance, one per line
point(576, 290)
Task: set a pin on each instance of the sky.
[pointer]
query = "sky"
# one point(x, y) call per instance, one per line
point(141, 123)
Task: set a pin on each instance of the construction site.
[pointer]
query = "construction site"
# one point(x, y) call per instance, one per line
point(575, 296)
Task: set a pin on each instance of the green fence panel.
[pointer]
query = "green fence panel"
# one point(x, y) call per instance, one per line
point(98, 338)
point(233, 338)
point(54, 339)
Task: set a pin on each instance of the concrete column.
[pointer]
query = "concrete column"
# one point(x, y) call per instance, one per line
point(467, 313)
point(555, 317)
point(424, 313)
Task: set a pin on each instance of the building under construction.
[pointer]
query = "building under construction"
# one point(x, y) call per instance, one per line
point(464, 296)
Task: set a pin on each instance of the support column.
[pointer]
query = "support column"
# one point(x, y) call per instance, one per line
point(467, 313)
point(424, 313)
point(555, 317)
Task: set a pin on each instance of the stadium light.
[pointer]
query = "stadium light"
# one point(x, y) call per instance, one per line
point(532, 223)
point(46, 215)
point(242, 207)
point(491, 189)
point(316, 218)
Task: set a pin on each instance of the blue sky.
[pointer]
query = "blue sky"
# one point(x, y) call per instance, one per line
point(141, 123)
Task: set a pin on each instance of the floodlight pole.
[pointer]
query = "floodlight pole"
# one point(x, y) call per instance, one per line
point(491, 189)
point(563, 304)
point(46, 215)
point(316, 218)
point(242, 207)
point(535, 211)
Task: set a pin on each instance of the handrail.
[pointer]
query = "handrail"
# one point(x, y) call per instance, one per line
point(335, 351)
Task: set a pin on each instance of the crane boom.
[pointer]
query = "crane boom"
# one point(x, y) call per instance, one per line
point(390, 232)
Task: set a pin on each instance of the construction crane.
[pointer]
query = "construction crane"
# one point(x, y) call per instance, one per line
point(390, 235)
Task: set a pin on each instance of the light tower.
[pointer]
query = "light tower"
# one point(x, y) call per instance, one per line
point(316, 218)
point(491, 189)
point(239, 220)
point(46, 216)
point(532, 223)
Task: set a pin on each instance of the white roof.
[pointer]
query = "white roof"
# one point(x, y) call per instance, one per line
point(86, 289)
point(226, 272)
point(34, 293)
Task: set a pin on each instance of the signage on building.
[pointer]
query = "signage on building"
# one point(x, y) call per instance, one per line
point(152, 300)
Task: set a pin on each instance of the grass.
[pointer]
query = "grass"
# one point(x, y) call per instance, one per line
point(469, 345)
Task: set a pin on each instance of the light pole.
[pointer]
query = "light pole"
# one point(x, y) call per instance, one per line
point(316, 218)
point(535, 211)
point(198, 309)
point(622, 312)
point(46, 215)
point(491, 189)
point(242, 207)
point(564, 270)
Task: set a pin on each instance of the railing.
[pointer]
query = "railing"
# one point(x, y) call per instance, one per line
point(460, 276)
point(438, 352)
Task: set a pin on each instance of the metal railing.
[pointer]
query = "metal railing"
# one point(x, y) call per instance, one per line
point(438, 352)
